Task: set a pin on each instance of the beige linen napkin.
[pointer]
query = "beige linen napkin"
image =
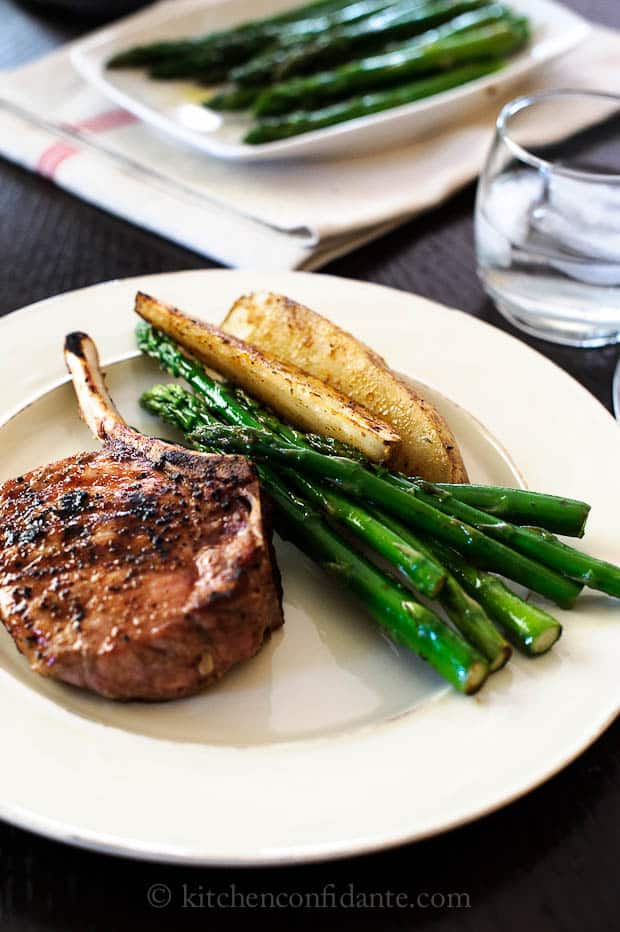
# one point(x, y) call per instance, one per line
point(281, 215)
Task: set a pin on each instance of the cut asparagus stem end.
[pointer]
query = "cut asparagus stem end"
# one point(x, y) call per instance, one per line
point(476, 675)
point(545, 641)
point(501, 659)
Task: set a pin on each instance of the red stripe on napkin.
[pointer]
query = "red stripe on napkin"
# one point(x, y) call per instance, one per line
point(57, 152)
point(54, 156)
point(109, 119)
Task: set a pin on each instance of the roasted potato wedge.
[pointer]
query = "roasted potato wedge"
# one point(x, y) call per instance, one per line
point(297, 397)
point(301, 337)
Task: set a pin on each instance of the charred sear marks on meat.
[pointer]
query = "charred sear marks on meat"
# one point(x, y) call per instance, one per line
point(118, 574)
point(141, 571)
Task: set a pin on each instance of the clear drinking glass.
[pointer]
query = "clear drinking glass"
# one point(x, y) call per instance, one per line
point(548, 217)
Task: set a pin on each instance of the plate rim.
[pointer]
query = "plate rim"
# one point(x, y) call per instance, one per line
point(63, 831)
point(311, 854)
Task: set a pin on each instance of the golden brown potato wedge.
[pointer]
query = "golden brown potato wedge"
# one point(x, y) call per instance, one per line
point(296, 335)
point(297, 397)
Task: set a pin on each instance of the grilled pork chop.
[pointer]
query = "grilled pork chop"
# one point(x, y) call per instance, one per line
point(143, 571)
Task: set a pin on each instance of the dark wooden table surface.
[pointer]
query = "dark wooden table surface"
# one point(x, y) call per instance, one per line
point(548, 862)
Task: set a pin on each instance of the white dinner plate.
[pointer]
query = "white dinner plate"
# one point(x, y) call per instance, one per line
point(331, 741)
point(176, 106)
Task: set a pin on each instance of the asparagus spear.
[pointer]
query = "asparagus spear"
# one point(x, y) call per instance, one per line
point(140, 56)
point(533, 542)
point(378, 33)
point(420, 569)
point(238, 98)
point(232, 404)
point(222, 52)
point(530, 628)
point(305, 29)
point(466, 616)
point(208, 59)
point(353, 479)
point(416, 564)
point(583, 568)
point(463, 610)
point(227, 403)
point(271, 422)
point(305, 121)
point(405, 620)
point(455, 43)
point(202, 67)
point(545, 548)
point(399, 21)
point(519, 506)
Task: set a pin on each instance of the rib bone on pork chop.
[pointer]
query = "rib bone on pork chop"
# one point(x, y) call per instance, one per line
point(143, 571)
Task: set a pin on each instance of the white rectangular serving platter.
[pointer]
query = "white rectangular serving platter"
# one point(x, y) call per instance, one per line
point(176, 106)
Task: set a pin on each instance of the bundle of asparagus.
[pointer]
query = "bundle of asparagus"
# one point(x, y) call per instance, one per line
point(336, 60)
point(387, 536)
